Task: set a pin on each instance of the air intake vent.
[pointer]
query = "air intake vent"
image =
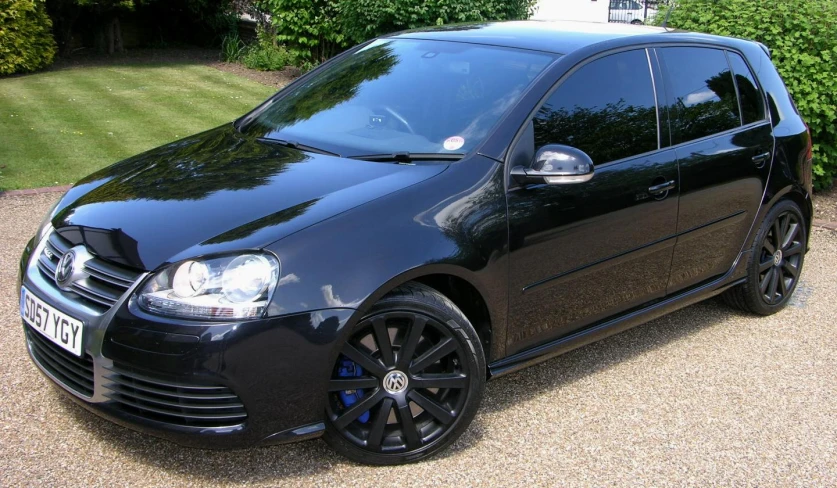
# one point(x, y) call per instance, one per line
point(172, 402)
point(73, 372)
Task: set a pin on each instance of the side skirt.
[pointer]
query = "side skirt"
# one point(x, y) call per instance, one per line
point(735, 276)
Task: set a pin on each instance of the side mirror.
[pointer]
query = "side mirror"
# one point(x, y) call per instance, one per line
point(556, 165)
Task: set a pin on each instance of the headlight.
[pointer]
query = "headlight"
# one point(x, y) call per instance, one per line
point(230, 287)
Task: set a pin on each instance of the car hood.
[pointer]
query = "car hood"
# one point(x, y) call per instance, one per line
point(217, 192)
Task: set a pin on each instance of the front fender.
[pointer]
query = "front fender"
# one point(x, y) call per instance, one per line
point(452, 224)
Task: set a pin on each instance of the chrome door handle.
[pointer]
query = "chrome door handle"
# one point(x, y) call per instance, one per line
point(662, 187)
point(760, 159)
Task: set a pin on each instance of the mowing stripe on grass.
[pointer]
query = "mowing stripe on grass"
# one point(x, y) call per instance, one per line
point(58, 126)
point(169, 116)
point(34, 142)
point(124, 112)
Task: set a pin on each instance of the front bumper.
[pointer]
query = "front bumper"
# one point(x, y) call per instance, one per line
point(166, 377)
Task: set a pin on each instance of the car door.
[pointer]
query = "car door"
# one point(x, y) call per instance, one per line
point(724, 145)
point(582, 252)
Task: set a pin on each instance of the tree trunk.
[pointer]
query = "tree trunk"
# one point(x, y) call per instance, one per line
point(110, 35)
point(114, 36)
point(100, 39)
point(65, 41)
point(65, 20)
point(117, 32)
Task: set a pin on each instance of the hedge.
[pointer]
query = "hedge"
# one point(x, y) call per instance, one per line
point(26, 42)
point(319, 29)
point(802, 36)
point(365, 19)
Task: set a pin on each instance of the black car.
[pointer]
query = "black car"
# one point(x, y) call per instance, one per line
point(356, 256)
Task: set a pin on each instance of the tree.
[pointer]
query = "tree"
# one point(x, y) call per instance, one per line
point(166, 18)
point(104, 14)
point(802, 37)
point(25, 40)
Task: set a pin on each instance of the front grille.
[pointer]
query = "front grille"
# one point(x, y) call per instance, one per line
point(171, 402)
point(104, 284)
point(76, 373)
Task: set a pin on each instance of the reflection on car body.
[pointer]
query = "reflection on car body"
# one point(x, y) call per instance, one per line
point(355, 257)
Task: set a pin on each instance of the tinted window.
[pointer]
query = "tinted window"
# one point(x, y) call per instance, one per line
point(701, 92)
point(752, 103)
point(606, 109)
point(404, 95)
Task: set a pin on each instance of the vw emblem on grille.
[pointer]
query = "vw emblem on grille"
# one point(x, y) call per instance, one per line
point(71, 267)
point(64, 271)
point(395, 382)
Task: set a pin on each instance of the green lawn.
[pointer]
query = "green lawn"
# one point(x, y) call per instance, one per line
point(59, 126)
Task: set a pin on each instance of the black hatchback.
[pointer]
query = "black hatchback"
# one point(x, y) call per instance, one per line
point(355, 257)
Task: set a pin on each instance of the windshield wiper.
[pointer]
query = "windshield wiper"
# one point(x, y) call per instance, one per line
point(408, 157)
point(296, 145)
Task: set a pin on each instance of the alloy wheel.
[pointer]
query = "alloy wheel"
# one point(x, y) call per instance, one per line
point(780, 258)
point(400, 383)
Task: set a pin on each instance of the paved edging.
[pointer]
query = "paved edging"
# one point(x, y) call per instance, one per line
point(55, 189)
point(35, 191)
point(825, 224)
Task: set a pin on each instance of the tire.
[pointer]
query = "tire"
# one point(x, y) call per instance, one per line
point(775, 262)
point(636, 22)
point(382, 406)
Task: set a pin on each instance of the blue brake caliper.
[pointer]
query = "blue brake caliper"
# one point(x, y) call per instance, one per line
point(350, 369)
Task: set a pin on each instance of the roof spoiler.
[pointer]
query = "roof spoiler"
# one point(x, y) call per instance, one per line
point(765, 49)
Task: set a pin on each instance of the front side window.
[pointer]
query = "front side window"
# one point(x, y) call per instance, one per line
point(701, 92)
point(606, 108)
point(752, 103)
point(403, 95)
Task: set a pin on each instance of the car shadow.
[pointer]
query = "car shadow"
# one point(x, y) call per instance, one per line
point(308, 458)
point(599, 356)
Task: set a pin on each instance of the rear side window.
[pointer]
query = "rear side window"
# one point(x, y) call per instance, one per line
point(701, 92)
point(752, 103)
point(606, 109)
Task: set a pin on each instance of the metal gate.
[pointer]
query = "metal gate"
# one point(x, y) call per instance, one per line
point(635, 11)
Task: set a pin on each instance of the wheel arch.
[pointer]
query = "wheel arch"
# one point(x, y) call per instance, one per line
point(460, 286)
point(798, 197)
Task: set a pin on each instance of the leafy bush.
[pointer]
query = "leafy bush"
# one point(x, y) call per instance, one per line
point(26, 42)
point(264, 55)
point(307, 66)
point(802, 36)
point(315, 30)
point(309, 28)
point(232, 48)
point(365, 19)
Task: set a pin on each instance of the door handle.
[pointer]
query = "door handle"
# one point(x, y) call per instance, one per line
point(760, 159)
point(662, 187)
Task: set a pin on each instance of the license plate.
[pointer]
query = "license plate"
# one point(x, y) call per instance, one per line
point(55, 325)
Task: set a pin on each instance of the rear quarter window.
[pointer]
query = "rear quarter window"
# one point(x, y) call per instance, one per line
point(749, 96)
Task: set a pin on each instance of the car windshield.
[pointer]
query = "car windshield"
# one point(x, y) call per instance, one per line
point(402, 96)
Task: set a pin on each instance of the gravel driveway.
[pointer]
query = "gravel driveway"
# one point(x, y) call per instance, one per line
point(703, 396)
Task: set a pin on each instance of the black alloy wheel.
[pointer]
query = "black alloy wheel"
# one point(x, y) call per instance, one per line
point(775, 262)
point(780, 258)
point(407, 382)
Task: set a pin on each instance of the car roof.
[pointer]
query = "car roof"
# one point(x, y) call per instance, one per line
point(559, 37)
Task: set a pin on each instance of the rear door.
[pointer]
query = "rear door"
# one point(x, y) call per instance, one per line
point(582, 252)
point(724, 145)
